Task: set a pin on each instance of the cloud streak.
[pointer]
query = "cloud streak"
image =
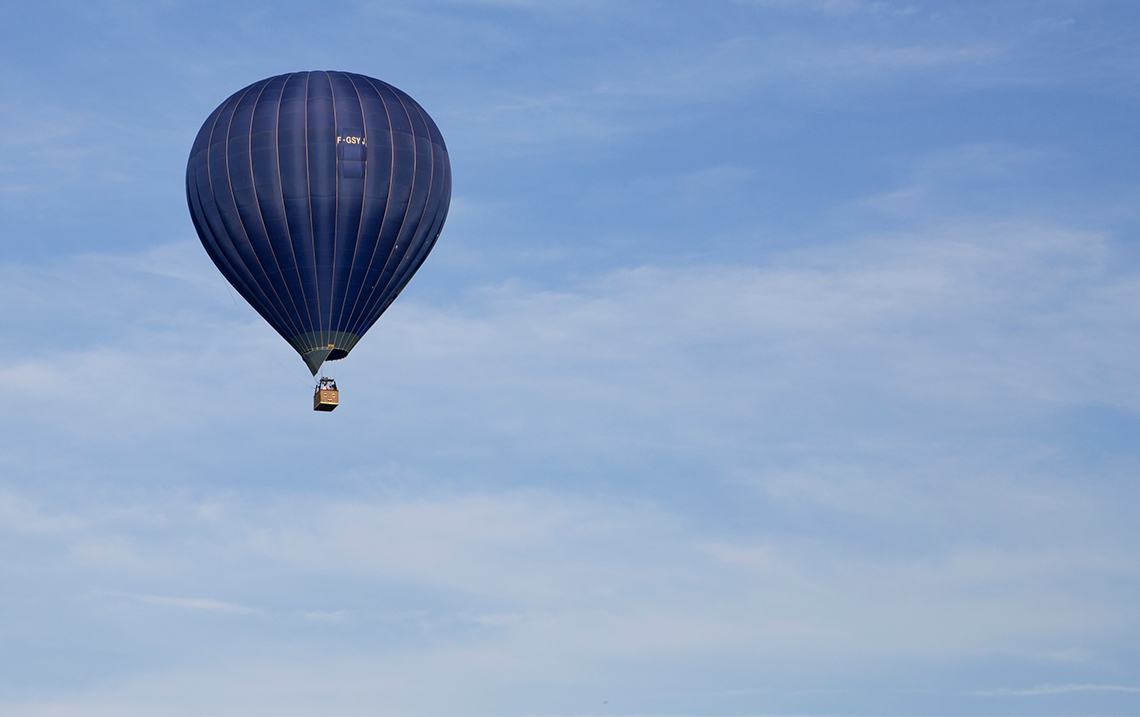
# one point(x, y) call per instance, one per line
point(1058, 690)
point(479, 545)
point(778, 358)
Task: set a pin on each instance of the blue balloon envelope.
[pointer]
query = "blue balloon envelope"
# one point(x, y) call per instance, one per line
point(318, 195)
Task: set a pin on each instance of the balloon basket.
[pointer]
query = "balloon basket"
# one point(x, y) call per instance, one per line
point(326, 397)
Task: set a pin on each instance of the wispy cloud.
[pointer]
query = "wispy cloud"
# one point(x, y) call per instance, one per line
point(483, 584)
point(19, 515)
point(977, 322)
point(771, 362)
point(827, 7)
point(1049, 689)
point(196, 604)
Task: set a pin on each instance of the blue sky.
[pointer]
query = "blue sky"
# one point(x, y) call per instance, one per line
point(777, 357)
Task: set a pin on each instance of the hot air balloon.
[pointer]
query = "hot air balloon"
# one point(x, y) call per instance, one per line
point(318, 195)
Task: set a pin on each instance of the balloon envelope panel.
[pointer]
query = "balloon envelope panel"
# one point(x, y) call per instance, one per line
point(318, 195)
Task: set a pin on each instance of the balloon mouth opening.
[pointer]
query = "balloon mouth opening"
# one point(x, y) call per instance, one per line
point(316, 347)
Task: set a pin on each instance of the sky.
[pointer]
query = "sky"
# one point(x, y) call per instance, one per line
point(778, 357)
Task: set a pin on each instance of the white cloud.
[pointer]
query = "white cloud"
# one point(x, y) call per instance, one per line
point(533, 592)
point(827, 7)
point(977, 323)
point(740, 67)
point(898, 463)
point(19, 515)
point(491, 486)
point(1049, 689)
point(205, 604)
